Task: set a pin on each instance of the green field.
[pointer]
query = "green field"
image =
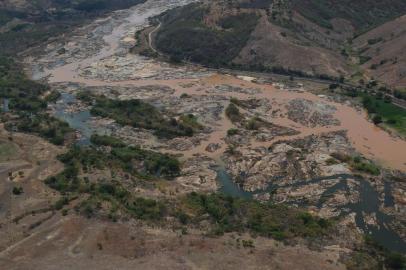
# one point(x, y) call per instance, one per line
point(392, 115)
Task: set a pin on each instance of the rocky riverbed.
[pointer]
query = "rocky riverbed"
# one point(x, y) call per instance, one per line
point(288, 157)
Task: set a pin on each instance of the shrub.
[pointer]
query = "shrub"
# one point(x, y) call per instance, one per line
point(395, 261)
point(232, 132)
point(17, 190)
point(253, 124)
point(387, 99)
point(106, 141)
point(377, 119)
point(59, 204)
point(233, 113)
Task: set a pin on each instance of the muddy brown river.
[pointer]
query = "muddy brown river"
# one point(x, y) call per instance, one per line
point(372, 142)
point(366, 138)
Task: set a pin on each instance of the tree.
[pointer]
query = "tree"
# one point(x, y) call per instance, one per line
point(379, 95)
point(388, 99)
point(377, 119)
point(333, 86)
point(395, 261)
point(17, 190)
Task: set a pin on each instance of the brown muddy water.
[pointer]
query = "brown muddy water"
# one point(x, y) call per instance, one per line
point(365, 137)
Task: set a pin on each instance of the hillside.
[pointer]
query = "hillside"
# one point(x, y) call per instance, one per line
point(384, 49)
point(286, 35)
point(26, 23)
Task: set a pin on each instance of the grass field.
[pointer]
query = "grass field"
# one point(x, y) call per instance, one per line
point(392, 115)
point(7, 151)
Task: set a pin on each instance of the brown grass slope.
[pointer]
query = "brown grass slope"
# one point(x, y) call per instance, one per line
point(386, 48)
point(308, 35)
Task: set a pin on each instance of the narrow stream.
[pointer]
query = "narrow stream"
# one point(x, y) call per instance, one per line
point(80, 121)
point(227, 185)
point(369, 198)
point(5, 105)
point(388, 200)
point(368, 204)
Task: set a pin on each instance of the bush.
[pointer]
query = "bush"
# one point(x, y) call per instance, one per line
point(377, 119)
point(254, 123)
point(333, 86)
point(156, 164)
point(61, 203)
point(233, 113)
point(18, 190)
point(395, 261)
point(232, 132)
point(391, 121)
point(388, 99)
point(366, 167)
point(106, 141)
point(147, 209)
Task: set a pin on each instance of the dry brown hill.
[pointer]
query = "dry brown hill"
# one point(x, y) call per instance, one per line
point(384, 48)
point(288, 36)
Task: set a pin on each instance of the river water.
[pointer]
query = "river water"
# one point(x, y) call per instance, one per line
point(5, 105)
point(365, 137)
point(80, 121)
point(368, 204)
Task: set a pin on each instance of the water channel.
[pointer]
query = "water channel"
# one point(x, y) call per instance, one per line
point(360, 131)
point(368, 204)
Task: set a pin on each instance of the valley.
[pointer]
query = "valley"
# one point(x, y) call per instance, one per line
point(171, 133)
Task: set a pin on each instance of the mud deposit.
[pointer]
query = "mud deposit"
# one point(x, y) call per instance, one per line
point(288, 158)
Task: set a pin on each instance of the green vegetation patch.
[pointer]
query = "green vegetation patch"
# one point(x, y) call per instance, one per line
point(233, 113)
point(391, 115)
point(27, 101)
point(266, 219)
point(41, 124)
point(362, 14)
point(372, 255)
point(117, 158)
point(256, 123)
point(140, 114)
point(110, 154)
point(112, 196)
point(22, 92)
point(212, 46)
point(120, 201)
point(232, 132)
point(357, 163)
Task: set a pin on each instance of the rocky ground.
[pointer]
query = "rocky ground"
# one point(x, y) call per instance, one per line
point(290, 155)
